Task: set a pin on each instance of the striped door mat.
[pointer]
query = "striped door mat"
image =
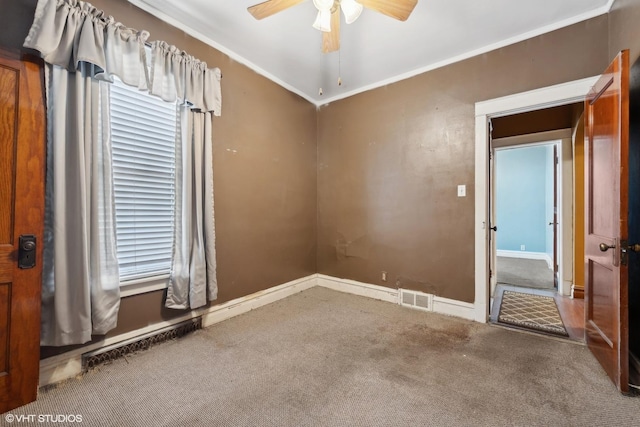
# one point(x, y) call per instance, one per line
point(528, 311)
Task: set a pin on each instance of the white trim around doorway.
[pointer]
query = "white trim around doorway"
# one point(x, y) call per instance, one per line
point(551, 96)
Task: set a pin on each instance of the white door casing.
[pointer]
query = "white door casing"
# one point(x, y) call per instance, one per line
point(551, 96)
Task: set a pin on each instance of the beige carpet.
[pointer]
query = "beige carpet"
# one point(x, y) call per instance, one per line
point(529, 273)
point(535, 312)
point(323, 358)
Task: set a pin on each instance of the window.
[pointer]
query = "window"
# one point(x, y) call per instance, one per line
point(143, 131)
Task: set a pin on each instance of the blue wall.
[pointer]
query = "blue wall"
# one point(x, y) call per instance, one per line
point(522, 198)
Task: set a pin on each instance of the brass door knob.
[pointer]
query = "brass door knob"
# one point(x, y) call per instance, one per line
point(634, 248)
point(604, 247)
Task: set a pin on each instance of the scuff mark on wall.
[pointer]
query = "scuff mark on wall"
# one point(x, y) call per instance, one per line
point(419, 285)
point(356, 248)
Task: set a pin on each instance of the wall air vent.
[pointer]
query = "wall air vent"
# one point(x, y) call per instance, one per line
point(144, 342)
point(415, 299)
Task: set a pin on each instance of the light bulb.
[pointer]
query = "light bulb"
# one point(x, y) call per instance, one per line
point(351, 10)
point(323, 4)
point(323, 21)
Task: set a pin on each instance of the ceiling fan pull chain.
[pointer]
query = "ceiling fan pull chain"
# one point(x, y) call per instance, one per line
point(339, 68)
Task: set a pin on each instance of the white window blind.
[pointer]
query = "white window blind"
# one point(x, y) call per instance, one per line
point(143, 131)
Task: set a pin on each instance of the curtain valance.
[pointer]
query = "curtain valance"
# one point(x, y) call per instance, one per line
point(176, 75)
point(67, 32)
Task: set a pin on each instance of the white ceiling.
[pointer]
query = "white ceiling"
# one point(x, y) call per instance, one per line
point(375, 49)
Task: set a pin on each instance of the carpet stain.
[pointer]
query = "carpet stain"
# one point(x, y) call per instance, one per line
point(379, 353)
point(402, 378)
point(426, 337)
point(373, 340)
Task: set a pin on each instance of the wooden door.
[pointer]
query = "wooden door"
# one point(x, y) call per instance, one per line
point(22, 164)
point(606, 212)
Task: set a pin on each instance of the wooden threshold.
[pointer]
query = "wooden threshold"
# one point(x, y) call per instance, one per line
point(572, 314)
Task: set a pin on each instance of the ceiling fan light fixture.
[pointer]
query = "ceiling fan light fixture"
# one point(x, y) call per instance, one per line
point(323, 5)
point(323, 21)
point(351, 9)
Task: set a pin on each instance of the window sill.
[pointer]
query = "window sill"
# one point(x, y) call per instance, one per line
point(142, 286)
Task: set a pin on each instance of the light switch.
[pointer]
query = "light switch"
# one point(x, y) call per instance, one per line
point(462, 190)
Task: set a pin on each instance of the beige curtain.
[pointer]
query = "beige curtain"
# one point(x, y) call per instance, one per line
point(175, 75)
point(84, 49)
point(193, 275)
point(81, 286)
point(69, 32)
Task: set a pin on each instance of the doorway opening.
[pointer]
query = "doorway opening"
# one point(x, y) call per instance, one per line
point(487, 113)
point(524, 207)
point(532, 186)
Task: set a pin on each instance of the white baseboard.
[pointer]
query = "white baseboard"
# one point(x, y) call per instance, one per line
point(452, 307)
point(358, 288)
point(526, 255)
point(68, 365)
point(441, 305)
point(567, 288)
point(219, 313)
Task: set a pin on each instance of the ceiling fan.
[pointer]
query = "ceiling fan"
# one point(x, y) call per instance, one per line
point(328, 18)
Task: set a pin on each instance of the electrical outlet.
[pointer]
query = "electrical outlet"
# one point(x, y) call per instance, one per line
point(522, 247)
point(462, 190)
point(384, 276)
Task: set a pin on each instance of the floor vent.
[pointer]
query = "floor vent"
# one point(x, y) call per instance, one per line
point(415, 299)
point(110, 353)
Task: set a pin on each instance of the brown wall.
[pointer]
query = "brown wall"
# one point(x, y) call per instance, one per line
point(624, 31)
point(547, 119)
point(264, 170)
point(389, 161)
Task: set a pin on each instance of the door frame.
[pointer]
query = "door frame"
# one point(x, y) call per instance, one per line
point(551, 96)
point(561, 139)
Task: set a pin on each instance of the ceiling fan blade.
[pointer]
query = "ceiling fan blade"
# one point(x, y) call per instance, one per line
point(331, 40)
point(398, 9)
point(268, 8)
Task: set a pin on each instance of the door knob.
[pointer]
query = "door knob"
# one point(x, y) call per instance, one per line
point(29, 245)
point(494, 228)
point(604, 247)
point(634, 248)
